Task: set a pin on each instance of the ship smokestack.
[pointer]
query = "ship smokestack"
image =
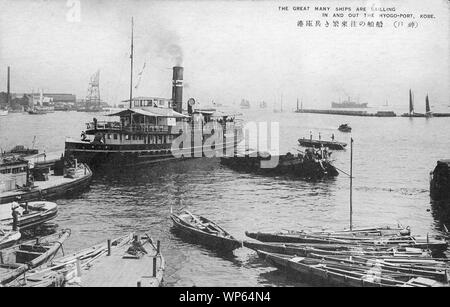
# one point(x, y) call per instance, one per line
point(177, 89)
point(8, 94)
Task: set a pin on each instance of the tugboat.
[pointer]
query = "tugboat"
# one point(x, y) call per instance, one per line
point(312, 165)
point(345, 128)
point(154, 130)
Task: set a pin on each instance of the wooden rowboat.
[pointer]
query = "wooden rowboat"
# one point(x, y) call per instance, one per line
point(20, 258)
point(31, 214)
point(353, 274)
point(396, 252)
point(8, 237)
point(70, 270)
point(434, 244)
point(204, 231)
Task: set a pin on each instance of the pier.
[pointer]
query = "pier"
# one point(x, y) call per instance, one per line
point(362, 113)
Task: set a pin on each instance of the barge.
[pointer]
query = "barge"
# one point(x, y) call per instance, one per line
point(311, 165)
point(19, 181)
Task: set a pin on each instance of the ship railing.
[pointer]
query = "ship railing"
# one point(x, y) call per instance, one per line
point(120, 127)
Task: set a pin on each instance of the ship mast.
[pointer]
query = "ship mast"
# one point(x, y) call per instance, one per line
point(131, 64)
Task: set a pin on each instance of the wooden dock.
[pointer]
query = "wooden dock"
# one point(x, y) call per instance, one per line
point(122, 269)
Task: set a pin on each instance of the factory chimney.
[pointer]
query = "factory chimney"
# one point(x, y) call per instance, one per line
point(8, 93)
point(177, 89)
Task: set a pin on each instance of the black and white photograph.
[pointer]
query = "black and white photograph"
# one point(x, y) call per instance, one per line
point(237, 145)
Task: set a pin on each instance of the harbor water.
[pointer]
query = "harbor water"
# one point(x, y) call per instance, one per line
point(391, 165)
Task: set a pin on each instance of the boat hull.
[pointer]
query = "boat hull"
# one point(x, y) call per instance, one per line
point(203, 238)
point(64, 189)
point(36, 216)
point(129, 155)
point(315, 275)
point(306, 169)
point(318, 144)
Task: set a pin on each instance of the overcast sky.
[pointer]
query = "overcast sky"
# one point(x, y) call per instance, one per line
point(230, 50)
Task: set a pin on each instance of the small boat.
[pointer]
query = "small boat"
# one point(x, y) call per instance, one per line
point(204, 231)
point(122, 253)
point(345, 128)
point(434, 244)
point(31, 214)
point(4, 112)
point(360, 272)
point(37, 111)
point(320, 143)
point(8, 237)
point(20, 258)
point(368, 251)
point(310, 165)
point(65, 178)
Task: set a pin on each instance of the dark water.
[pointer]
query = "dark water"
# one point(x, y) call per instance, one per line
point(392, 161)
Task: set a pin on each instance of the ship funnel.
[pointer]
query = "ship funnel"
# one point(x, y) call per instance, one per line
point(177, 89)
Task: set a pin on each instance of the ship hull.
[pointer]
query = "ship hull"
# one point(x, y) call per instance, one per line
point(130, 155)
point(304, 169)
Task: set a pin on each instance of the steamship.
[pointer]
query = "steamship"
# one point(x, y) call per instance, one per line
point(155, 130)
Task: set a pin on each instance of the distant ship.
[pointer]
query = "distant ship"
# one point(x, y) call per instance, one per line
point(245, 104)
point(348, 104)
point(38, 107)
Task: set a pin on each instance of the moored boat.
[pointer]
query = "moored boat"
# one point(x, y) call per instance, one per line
point(368, 251)
point(18, 180)
point(204, 231)
point(8, 236)
point(436, 245)
point(30, 214)
point(360, 272)
point(20, 258)
point(311, 165)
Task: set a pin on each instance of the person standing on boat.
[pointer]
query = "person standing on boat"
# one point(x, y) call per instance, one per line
point(15, 215)
point(310, 135)
point(95, 123)
point(332, 137)
point(319, 136)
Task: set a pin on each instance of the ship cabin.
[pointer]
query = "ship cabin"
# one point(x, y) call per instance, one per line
point(155, 102)
point(13, 173)
point(136, 126)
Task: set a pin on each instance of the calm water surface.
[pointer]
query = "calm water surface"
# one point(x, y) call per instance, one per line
point(392, 161)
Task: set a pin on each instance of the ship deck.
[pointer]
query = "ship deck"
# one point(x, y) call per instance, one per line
point(55, 185)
